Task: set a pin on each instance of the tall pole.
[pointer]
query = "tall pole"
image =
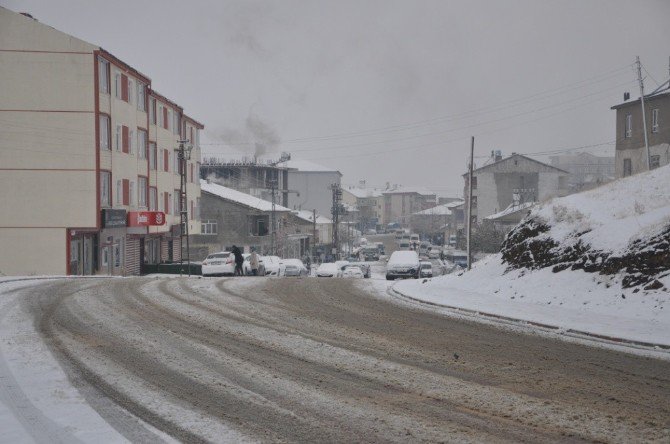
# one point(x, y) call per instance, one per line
point(183, 208)
point(644, 118)
point(469, 232)
point(273, 230)
point(314, 236)
point(337, 194)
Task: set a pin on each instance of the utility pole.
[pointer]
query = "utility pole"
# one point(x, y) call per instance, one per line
point(184, 154)
point(273, 217)
point(314, 236)
point(335, 210)
point(644, 118)
point(469, 232)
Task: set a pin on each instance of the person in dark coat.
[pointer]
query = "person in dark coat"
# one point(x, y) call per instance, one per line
point(239, 261)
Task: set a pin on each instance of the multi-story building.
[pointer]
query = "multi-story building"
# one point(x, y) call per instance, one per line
point(401, 202)
point(88, 179)
point(310, 185)
point(513, 180)
point(586, 170)
point(368, 201)
point(630, 151)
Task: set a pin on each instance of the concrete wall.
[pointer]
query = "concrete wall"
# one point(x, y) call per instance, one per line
point(314, 189)
point(33, 251)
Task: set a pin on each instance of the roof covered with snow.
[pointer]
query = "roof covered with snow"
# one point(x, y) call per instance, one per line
point(238, 197)
point(309, 216)
point(362, 193)
point(407, 190)
point(511, 209)
point(512, 157)
point(307, 166)
point(440, 210)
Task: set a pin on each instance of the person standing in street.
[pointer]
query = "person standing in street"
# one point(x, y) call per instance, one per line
point(254, 262)
point(239, 261)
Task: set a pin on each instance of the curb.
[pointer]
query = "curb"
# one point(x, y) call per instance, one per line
point(568, 332)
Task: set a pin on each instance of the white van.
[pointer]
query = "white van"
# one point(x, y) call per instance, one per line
point(403, 264)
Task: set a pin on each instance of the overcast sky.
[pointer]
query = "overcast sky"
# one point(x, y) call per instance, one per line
point(387, 91)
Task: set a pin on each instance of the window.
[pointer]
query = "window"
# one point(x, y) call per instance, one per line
point(654, 120)
point(119, 138)
point(177, 205)
point(103, 75)
point(131, 145)
point(104, 257)
point(208, 227)
point(152, 155)
point(474, 201)
point(124, 139)
point(258, 225)
point(197, 208)
point(141, 144)
point(105, 189)
point(153, 198)
point(166, 160)
point(141, 191)
point(474, 182)
point(164, 116)
point(176, 165)
point(131, 91)
point(627, 168)
point(168, 120)
point(190, 165)
point(168, 203)
point(117, 84)
point(197, 138)
point(119, 192)
point(175, 124)
point(141, 99)
point(654, 162)
point(192, 211)
point(131, 193)
point(629, 126)
point(105, 144)
point(152, 111)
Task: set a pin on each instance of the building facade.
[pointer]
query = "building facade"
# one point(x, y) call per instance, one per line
point(517, 178)
point(630, 152)
point(401, 202)
point(586, 170)
point(77, 151)
point(368, 201)
point(310, 186)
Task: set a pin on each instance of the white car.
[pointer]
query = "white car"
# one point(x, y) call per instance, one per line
point(294, 267)
point(328, 269)
point(426, 269)
point(352, 271)
point(246, 266)
point(434, 253)
point(403, 264)
point(273, 266)
point(218, 263)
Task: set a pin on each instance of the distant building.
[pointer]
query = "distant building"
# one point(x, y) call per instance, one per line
point(517, 178)
point(310, 185)
point(508, 218)
point(249, 175)
point(438, 222)
point(368, 201)
point(401, 202)
point(630, 152)
point(586, 170)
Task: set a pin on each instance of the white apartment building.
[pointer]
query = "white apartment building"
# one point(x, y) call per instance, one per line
point(89, 176)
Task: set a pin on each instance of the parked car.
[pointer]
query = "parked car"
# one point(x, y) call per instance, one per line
point(457, 257)
point(370, 231)
point(294, 267)
point(273, 266)
point(352, 271)
point(218, 264)
point(370, 253)
point(426, 269)
point(381, 248)
point(365, 268)
point(434, 253)
point(403, 264)
point(403, 245)
point(327, 269)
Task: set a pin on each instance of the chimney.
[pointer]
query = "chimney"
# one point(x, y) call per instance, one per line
point(498, 155)
point(361, 184)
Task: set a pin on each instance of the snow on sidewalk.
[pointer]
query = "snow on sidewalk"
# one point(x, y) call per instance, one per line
point(569, 300)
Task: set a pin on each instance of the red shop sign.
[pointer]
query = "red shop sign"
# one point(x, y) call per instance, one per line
point(145, 218)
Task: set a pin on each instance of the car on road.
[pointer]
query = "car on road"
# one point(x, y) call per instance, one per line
point(220, 263)
point(365, 268)
point(294, 267)
point(273, 266)
point(381, 248)
point(426, 269)
point(457, 257)
point(327, 269)
point(403, 245)
point(403, 265)
point(370, 252)
point(434, 253)
point(352, 271)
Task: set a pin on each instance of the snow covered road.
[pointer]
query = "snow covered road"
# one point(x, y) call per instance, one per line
point(235, 360)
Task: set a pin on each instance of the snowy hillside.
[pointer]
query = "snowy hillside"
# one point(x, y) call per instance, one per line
point(622, 228)
point(595, 262)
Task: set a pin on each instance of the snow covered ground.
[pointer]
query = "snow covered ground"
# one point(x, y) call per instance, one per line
point(608, 219)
